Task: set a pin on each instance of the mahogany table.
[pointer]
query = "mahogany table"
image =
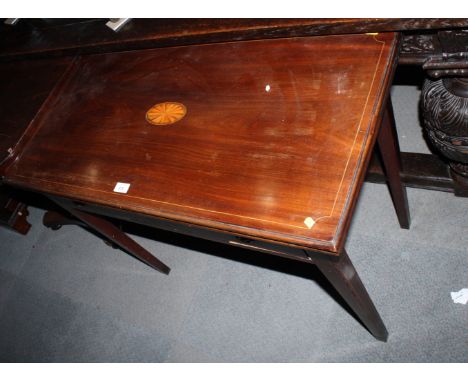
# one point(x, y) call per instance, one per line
point(257, 144)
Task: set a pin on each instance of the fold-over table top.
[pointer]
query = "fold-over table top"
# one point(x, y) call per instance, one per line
point(265, 138)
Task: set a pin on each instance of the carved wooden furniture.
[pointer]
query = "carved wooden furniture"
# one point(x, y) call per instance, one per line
point(264, 146)
point(443, 55)
point(445, 103)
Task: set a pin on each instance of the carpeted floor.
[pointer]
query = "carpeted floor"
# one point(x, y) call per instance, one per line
point(66, 296)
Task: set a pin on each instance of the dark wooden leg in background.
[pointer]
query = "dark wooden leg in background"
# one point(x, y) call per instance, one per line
point(14, 216)
point(387, 141)
point(13, 213)
point(342, 275)
point(116, 236)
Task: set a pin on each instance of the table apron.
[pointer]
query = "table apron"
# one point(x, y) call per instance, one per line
point(233, 239)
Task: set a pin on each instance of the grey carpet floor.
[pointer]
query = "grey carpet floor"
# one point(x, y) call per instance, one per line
point(67, 296)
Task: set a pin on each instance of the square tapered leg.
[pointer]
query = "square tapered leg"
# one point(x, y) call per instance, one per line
point(342, 275)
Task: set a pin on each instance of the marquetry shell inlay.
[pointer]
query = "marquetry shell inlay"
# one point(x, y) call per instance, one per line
point(166, 113)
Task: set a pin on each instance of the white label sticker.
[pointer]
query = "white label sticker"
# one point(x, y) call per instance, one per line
point(460, 297)
point(309, 222)
point(121, 188)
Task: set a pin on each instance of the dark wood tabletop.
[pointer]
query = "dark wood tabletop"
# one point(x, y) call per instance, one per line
point(265, 138)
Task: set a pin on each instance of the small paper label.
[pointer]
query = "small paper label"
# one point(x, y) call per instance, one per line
point(460, 297)
point(121, 188)
point(309, 222)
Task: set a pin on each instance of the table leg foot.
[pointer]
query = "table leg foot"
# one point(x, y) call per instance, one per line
point(343, 276)
point(389, 148)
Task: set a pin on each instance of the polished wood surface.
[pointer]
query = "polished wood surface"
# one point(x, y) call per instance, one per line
point(422, 40)
point(273, 144)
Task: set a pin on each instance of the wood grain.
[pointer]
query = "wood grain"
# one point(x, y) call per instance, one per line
point(275, 144)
